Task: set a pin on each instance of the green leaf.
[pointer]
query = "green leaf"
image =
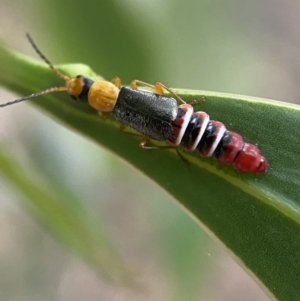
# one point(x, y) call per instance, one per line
point(59, 211)
point(256, 217)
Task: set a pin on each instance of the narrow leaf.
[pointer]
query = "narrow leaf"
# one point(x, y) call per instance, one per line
point(256, 217)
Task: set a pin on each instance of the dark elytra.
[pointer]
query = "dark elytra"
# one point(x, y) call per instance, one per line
point(148, 113)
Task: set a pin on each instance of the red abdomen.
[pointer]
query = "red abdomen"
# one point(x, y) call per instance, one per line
point(195, 131)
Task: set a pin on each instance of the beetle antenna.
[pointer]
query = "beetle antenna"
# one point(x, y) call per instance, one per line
point(47, 91)
point(43, 57)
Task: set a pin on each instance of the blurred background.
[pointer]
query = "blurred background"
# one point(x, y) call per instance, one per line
point(241, 47)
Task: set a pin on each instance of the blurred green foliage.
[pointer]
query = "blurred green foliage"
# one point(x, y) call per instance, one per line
point(221, 46)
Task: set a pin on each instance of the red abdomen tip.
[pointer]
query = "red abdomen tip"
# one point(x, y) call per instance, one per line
point(250, 160)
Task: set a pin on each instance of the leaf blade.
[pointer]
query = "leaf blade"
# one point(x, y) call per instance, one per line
point(256, 217)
